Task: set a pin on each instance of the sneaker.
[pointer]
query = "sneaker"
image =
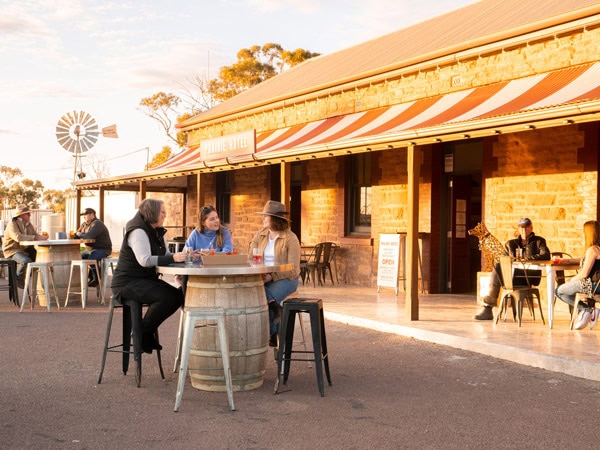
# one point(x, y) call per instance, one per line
point(583, 319)
point(594, 318)
point(484, 314)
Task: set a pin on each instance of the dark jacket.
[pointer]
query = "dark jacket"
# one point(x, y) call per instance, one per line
point(96, 230)
point(128, 268)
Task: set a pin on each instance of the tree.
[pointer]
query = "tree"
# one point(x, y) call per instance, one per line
point(57, 200)
point(161, 157)
point(254, 65)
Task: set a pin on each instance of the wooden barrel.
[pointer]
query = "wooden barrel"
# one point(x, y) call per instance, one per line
point(243, 297)
point(61, 256)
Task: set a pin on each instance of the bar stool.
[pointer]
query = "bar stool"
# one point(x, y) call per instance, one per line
point(11, 275)
point(132, 331)
point(314, 307)
point(106, 264)
point(295, 295)
point(190, 316)
point(84, 267)
point(46, 269)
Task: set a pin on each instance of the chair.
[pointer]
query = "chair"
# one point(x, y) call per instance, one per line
point(84, 266)
point(517, 295)
point(46, 270)
point(309, 266)
point(11, 275)
point(132, 331)
point(327, 257)
point(292, 307)
point(190, 316)
point(107, 263)
point(560, 274)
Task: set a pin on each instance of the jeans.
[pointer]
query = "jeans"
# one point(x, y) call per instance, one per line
point(22, 259)
point(98, 254)
point(566, 292)
point(278, 290)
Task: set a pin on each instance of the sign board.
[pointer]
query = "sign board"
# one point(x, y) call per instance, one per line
point(387, 266)
point(237, 144)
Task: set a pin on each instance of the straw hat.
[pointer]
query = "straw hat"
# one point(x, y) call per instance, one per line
point(21, 209)
point(275, 209)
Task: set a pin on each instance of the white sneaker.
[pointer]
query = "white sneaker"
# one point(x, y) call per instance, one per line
point(583, 319)
point(594, 318)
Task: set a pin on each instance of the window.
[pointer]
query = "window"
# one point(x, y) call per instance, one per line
point(224, 197)
point(359, 194)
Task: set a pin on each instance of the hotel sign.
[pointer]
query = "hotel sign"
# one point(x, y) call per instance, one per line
point(236, 144)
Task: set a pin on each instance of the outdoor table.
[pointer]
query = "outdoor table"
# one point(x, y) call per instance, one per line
point(550, 269)
point(60, 252)
point(239, 289)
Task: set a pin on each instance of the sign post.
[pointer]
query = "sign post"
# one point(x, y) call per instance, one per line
point(387, 267)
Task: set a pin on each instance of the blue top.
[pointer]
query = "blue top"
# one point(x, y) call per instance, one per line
point(207, 239)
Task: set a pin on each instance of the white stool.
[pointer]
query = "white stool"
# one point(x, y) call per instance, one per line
point(106, 264)
point(190, 316)
point(46, 269)
point(84, 267)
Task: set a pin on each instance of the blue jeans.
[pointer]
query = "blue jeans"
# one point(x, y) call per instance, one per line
point(566, 292)
point(22, 259)
point(278, 290)
point(98, 254)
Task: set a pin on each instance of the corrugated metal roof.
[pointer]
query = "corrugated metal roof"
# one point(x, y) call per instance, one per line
point(481, 23)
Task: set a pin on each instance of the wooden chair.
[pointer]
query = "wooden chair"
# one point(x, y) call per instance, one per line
point(516, 295)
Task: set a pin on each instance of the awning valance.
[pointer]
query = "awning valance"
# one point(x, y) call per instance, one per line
point(467, 109)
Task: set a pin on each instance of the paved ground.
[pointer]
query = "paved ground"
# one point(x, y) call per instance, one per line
point(389, 391)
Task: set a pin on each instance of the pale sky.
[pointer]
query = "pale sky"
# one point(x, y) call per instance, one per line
point(60, 56)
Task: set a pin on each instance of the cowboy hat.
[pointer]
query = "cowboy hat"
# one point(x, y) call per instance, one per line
point(275, 209)
point(22, 209)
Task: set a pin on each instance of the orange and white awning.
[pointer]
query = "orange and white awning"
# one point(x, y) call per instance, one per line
point(467, 109)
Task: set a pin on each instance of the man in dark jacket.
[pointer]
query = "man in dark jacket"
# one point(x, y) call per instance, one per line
point(93, 228)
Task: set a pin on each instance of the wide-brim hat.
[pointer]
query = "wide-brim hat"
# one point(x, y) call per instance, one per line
point(22, 209)
point(275, 209)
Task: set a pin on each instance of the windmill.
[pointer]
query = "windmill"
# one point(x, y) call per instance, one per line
point(77, 132)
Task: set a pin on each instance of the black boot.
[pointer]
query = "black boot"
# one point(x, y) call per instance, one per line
point(276, 309)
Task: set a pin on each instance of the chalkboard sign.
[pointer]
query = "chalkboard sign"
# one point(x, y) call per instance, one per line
point(387, 267)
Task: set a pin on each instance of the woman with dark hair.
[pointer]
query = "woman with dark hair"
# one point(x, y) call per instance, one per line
point(135, 277)
point(586, 280)
point(278, 245)
point(210, 234)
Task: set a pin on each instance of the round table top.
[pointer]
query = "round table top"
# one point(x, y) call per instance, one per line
point(58, 242)
point(200, 270)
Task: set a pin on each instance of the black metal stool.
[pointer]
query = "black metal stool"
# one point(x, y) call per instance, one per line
point(132, 321)
point(292, 307)
point(13, 292)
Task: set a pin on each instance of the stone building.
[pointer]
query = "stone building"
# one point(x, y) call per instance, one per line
point(488, 113)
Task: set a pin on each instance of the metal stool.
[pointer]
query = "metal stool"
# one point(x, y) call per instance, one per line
point(314, 307)
point(106, 264)
point(84, 267)
point(132, 328)
point(46, 269)
point(295, 295)
point(189, 317)
point(11, 287)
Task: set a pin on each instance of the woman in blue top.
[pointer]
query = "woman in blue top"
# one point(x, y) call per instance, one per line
point(210, 234)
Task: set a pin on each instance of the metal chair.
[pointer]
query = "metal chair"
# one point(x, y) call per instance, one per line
point(107, 263)
point(46, 270)
point(11, 276)
point(84, 266)
point(190, 316)
point(516, 294)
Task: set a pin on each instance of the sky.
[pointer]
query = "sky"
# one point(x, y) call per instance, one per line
point(65, 56)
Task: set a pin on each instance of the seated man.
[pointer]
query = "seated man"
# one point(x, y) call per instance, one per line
point(93, 228)
point(533, 247)
point(20, 229)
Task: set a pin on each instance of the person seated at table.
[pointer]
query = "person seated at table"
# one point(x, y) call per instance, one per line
point(17, 230)
point(210, 234)
point(533, 247)
point(93, 228)
point(586, 280)
point(135, 277)
point(278, 245)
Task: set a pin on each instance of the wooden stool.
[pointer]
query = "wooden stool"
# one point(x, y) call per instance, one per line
point(84, 267)
point(46, 269)
point(189, 317)
point(11, 275)
point(106, 264)
point(132, 321)
point(314, 307)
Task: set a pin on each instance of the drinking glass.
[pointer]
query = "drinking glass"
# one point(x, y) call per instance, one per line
point(256, 255)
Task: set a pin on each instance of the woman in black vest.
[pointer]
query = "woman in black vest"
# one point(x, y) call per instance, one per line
point(135, 277)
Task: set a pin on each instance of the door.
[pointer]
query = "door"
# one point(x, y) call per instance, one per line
point(458, 239)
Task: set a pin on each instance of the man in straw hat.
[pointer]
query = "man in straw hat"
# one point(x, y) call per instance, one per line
point(20, 229)
point(278, 245)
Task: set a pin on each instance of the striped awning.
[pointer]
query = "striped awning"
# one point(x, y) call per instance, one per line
point(465, 109)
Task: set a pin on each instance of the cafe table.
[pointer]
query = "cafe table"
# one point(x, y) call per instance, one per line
point(239, 289)
point(60, 252)
point(550, 268)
